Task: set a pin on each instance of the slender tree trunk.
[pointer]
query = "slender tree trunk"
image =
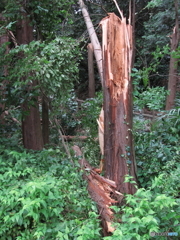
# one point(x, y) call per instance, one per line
point(31, 125)
point(94, 39)
point(173, 77)
point(45, 120)
point(118, 142)
point(3, 39)
point(91, 71)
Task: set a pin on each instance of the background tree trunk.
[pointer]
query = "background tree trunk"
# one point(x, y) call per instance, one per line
point(118, 143)
point(173, 77)
point(31, 125)
point(91, 71)
point(45, 120)
point(3, 39)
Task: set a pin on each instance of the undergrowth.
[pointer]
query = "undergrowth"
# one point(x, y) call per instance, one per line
point(43, 196)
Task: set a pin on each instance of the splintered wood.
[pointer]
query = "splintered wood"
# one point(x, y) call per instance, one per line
point(117, 48)
point(100, 190)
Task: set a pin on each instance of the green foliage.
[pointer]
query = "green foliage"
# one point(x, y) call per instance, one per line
point(90, 110)
point(49, 18)
point(154, 3)
point(157, 151)
point(151, 98)
point(150, 70)
point(158, 19)
point(146, 212)
point(42, 196)
point(53, 65)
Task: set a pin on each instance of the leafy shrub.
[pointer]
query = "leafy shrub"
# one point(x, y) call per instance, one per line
point(156, 148)
point(152, 98)
point(43, 196)
point(146, 212)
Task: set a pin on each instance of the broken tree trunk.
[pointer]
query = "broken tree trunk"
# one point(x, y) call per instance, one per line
point(118, 143)
point(91, 90)
point(93, 38)
point(173, 76)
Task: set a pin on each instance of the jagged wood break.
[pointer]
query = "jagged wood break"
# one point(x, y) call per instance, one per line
point(101, 191)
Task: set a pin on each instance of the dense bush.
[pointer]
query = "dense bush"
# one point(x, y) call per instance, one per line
point(157, 149)
point(146, 212)
point(43, 196)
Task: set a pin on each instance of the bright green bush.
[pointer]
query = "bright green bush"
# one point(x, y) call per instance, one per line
point(151, 98)
point(42, 196)
point(146, 212)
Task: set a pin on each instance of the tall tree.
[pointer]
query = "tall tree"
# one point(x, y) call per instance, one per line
point(173, 76)
point(4, 38)
point(31, 125)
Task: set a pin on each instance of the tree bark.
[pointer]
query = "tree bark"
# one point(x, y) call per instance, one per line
point(93, 38)
point(173, 76)
point(3, 39)
point(118, 142)
point(31, 125)
point(45, 121)
point(91, 71)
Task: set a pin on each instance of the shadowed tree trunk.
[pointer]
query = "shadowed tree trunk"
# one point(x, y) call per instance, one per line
point(118, 144)
point(91, 71)
point(173, 76)
point(45, 120)
point(31, 125)
point(3, 39)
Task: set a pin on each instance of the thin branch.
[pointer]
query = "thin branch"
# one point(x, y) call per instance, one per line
point(62, 138)
point(118, 8)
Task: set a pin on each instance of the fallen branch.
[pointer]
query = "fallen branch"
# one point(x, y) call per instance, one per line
point(100, 190)
point(63, 142)
point(69, 138)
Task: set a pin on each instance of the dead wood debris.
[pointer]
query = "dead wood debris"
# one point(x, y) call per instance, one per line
point(100, 190)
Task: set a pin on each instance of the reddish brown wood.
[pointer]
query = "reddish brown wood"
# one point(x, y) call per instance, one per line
point(118, 142)
point(100, 190)
point(173, 76)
